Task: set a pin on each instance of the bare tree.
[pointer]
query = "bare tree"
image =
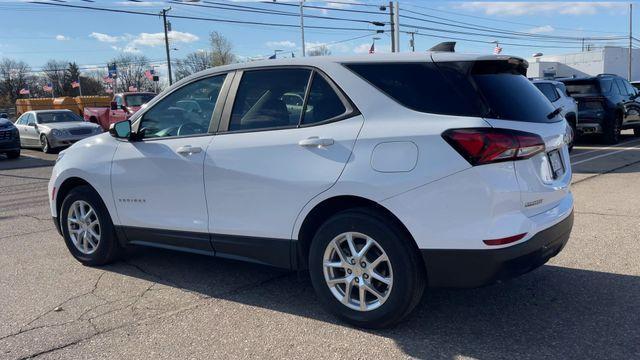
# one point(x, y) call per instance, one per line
point(131, 69)
point(14, 75)
point(55, 72)
point(192, 63)
point(321, 50)
point(221, 50)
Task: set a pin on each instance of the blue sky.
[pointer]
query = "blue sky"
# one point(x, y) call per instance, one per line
point(37, 33)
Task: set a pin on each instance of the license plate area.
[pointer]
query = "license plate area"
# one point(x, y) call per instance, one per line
point(555, 160)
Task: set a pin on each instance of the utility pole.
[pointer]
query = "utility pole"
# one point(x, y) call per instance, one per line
point(582, 44)
point(393, 27)
point(166, 42)
point(630, 37)
point(412, 41)
point(302, 26)
point(396, 24)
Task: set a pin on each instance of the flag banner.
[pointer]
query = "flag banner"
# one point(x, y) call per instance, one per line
point(113, 70)
point(48, 87)
point(107, 79)
point(24, 92)
point(75, 84)
point(497, 50)
point(372, 49)
point(149, 74)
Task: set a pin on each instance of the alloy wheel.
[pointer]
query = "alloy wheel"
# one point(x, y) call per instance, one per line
point(358, 271)
point(84, 227)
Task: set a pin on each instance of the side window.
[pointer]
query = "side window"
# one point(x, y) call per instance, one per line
point(323, 103)
point(269, 99)
point(186, 111)
point(548, 90)
point(22, 120)
point(621, 87)
point(630, 89)
point(29, 118)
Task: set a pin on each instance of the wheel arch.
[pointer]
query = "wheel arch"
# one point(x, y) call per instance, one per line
point(66, 186)
point(322, 211)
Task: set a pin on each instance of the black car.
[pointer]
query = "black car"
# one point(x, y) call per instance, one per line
point(607, 104)
point(9, 139)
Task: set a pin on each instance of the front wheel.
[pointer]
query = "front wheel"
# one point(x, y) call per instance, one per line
point(365, 269)
point(87, 228)
point(44, 144)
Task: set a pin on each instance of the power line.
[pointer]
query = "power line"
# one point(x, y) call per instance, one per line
point(133, 12)
point(325, 8)
point(506, 21)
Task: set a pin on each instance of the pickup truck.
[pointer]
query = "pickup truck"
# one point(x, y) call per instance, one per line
point(122, 107)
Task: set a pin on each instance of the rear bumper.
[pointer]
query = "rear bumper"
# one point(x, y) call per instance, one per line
point(474, 268)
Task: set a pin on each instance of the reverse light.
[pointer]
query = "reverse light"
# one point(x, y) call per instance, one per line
point(489, 145)
point(504, 241)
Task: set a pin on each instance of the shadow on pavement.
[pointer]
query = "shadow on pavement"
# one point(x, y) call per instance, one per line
point(23, 162)
point(553, 312)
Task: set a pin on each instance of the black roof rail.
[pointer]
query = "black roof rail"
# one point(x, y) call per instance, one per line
point(606, 74)
point(447, 46)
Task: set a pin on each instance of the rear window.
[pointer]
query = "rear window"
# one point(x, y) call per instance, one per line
point(495, 89)
point(590, 86)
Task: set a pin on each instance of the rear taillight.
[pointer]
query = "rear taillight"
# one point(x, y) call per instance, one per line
point(488, 145)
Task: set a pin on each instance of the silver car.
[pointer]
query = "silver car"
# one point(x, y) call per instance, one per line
point(51, 129)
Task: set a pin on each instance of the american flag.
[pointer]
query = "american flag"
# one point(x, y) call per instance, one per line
point(149, 74)
point(75, 84)
point(497, 50)
point(133, 88)
point(24, 92)
point(372, 49)
point(107, 79)
point(48, 87)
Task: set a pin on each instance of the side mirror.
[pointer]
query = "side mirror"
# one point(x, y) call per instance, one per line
point(32, 124)
point(114, 105)
point(121, 130)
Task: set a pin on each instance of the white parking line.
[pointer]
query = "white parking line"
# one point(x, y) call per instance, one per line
point(604, 148)
point(604, 155)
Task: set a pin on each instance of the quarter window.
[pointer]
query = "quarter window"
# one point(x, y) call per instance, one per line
point(269, 99)
point(186, 111)
point(548, 90)
point(323, 103)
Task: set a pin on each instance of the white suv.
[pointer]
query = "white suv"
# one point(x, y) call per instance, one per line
point(393, 172)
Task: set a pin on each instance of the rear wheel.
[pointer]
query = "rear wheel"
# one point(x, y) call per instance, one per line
point(612, 130)
point(365, 270)
point(87, 228)
point(44, 144)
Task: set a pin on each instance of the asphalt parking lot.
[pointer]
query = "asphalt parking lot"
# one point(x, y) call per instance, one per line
point(585, 303)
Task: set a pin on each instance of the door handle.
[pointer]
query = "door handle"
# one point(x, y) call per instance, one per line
point(188, 150)
point(315, 141)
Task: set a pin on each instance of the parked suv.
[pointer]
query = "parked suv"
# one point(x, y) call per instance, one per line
point(395, 172)
point(9, 138)
point(606, 105)
point(556, 92)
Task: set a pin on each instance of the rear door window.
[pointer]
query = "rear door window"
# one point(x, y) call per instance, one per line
point(622, 89)
point(548, 90)
point(323, 103)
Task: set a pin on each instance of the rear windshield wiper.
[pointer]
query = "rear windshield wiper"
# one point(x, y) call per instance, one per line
point(554, 113)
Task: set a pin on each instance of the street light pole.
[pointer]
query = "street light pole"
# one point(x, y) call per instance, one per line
point(630, 37)
point(302, 26)
point(166, 43)
point(393, 27)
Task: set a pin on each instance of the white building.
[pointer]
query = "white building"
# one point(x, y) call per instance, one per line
point(610, 60)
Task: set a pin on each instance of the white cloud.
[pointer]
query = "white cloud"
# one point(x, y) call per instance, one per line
point(362, 48)
point(139, 3)
point(126, 49)
point(541, 29)
point(512, 8)
point(280, 44)
point(61, 38)
point(155, 39)
point(104, 37)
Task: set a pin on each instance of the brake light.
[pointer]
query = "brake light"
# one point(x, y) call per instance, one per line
point(504, 241)
point(489, 145)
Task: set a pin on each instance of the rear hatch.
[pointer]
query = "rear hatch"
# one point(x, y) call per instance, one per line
point(508, 100)
point(588, 94)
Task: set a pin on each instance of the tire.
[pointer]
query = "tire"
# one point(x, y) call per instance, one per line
point(13, 154)
point(404, 267)
point(636, 131)
point(107, 248)
point(44, 144)
point(611, 131)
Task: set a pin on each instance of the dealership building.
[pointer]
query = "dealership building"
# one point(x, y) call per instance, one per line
point(609, 59)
